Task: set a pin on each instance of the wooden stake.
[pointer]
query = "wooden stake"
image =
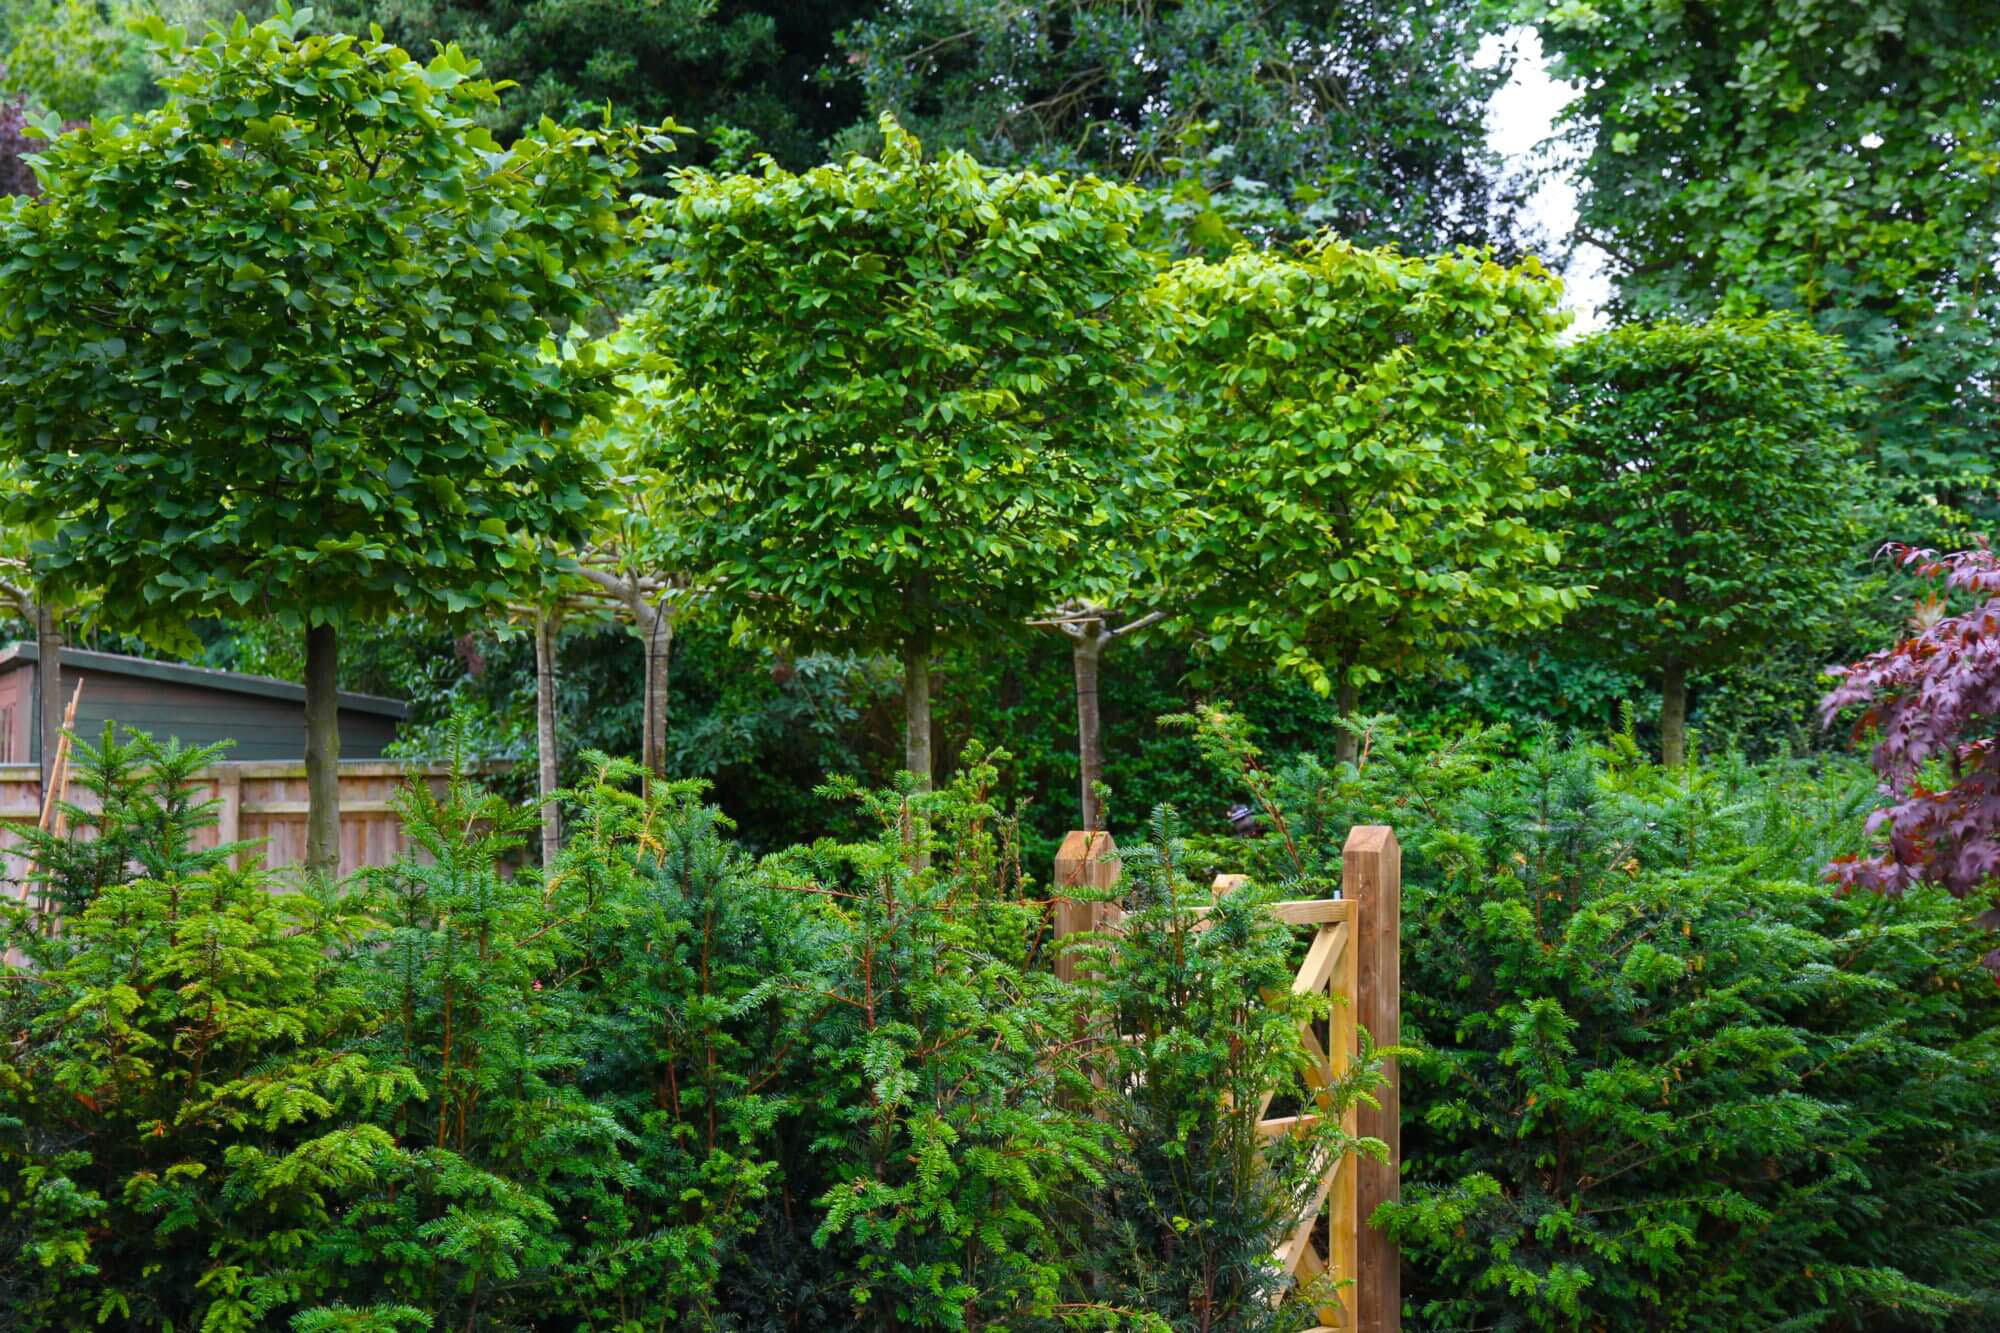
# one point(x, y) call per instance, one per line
point(58, 789)
point(59, 770)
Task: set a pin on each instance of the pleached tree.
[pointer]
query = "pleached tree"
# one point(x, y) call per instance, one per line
point(284, 346)
point(906, 387)
point(1358, 432)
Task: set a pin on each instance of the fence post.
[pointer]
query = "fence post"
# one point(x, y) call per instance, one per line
point(1085, 860)
point(1372, 875)
point(229, 819)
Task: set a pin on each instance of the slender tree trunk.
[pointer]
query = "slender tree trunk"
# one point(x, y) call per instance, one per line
point(322, 752)
point(545, 736)
point(1087, 654)
point(1347, 745)
point(1673, 714)
point(917, 708)
point(659, 639)
point(48, 686)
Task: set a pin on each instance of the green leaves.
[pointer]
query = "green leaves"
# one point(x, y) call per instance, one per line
point(329, 295)
point(1714, 493)
point(904, 386)
point(1356, 442)
point(1285, 119)
point(1834, 161)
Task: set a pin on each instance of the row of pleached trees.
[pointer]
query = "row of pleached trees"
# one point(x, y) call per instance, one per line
point(308, 343)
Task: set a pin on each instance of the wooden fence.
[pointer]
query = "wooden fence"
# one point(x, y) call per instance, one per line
point(262, 801)
point(1352, 956)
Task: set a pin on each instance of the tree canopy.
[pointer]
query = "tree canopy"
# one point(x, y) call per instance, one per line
point(1713, 491)
point(905, 389)
point(284, 346)
point(1839, 161)
point(1356, 444)
point(1366, 118)
point(757, 68)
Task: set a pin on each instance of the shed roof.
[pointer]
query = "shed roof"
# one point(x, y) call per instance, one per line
point(207, 678)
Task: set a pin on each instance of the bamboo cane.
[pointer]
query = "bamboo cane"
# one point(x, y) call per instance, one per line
point(52, 799)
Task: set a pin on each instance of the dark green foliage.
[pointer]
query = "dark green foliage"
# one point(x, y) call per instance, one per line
point(1183, 1224)
point(1665, 1072)
point(1368, 119)
point(1829, 159)
point(723, 69)
point(942, 1141)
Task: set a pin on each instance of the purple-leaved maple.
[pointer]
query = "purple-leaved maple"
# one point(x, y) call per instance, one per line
point(1933, 698)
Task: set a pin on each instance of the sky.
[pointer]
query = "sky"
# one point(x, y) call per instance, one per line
point(1518, 121)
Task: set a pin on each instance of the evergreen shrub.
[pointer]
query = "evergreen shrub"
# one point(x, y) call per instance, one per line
point(664, 1085)
point(1668, 1078)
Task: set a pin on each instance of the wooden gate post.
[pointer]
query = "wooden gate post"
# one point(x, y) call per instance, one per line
point(1372, 875)
point(1085, 860)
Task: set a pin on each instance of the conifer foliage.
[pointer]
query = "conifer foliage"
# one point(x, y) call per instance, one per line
point(1665, 1079)
point(663, 1085)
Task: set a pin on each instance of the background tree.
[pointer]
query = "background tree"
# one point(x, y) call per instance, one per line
point(1356, 442)
point(1833, 160)
point(755, 68)
point(341, 398)
point(74, 57)
point(905, 384)
point(1367, 118)
point(1713, 491)
point(637, 563)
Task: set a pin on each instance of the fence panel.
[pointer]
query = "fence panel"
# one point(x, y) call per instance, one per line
point(262, 801)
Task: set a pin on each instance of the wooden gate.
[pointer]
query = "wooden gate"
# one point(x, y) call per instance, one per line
point(1352, 957)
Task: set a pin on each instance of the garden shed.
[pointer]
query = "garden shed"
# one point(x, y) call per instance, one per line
point(265, 717)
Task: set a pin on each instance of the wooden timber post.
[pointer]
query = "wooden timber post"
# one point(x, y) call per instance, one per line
point(1372, 877)
point(1086, 859)
point(229, 819)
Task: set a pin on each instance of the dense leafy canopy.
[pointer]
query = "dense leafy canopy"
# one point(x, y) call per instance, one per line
point(286, 343)
point(906, 386)
point(1365, 118)
point(751, 68)
point(1357, 434)
point(1838, 160)
point(1713, 489)
point(74, 58)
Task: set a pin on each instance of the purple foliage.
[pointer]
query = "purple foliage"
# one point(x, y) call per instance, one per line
point(1935, 696)
point(15, 177)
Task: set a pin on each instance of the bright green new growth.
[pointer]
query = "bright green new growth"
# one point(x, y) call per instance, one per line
point(907, 391)
point(284, 346)
point(1359, 429)
point(1713, 492)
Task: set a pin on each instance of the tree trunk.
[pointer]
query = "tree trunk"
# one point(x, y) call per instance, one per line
point(1347, 745)
point(545, 736)
point(322, 752)
point(1087, 653)
point(1673, 714)
point(48, 687)
point(917, 708)
point(658, 634)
